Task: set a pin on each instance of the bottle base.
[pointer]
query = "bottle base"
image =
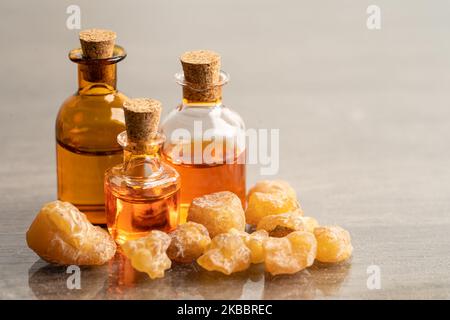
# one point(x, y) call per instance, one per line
point(95, 213)
point(120, 236)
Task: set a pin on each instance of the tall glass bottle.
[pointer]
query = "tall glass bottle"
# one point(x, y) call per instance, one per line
point(88, 123)
point(142, 193)
point(205, 140)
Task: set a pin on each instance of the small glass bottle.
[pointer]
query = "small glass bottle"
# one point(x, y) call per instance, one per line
point(142, 194)
point(205, 139)
point(88, 123)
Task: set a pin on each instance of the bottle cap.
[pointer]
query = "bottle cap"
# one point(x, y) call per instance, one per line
point(142, 118)
point(97, 43)
point(201, 70)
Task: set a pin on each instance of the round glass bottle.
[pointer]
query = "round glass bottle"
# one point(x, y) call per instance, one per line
point(87, 126)
point(142, 194)
point(205, 139)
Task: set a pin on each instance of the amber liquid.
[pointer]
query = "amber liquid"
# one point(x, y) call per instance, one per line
point(86, 130)
point(136, 217)
point(200, 179)
point(80, 178)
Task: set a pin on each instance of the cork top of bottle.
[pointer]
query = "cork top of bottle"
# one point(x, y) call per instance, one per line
point(97, 43)
point(201, 68)
point(142, 119)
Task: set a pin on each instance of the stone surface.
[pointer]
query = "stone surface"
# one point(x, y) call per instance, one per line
point(364, 134)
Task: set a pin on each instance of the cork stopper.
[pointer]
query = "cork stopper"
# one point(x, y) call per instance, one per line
point(97, 43)
point(142, 119)
point(202, 75)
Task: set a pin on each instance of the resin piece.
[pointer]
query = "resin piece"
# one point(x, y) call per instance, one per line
point(290, 254)
point(148, 254)
point(218, 212)
point(189, 241)
point(255, 242)
point(227, 254)
point(310, 224)
point(273, 186)
point(280, 225)
point(61, 234)
point(333, 244)
point(265, 204)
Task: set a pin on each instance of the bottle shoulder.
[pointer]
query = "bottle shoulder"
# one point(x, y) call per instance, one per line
point(221, 120)
point(165, 182)
point(91, 103)
point(91, 122)
point(166, 173)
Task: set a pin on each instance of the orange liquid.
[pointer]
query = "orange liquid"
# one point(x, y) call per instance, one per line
point(80, 179)
point(131, 217)
point(200, 179)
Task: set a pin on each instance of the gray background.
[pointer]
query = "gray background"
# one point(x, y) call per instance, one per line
point(363, 118)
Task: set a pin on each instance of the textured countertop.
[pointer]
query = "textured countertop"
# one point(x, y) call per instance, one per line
point(364, 133)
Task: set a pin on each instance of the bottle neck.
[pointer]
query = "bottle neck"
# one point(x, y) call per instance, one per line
point(142, 160)
point(97, 76)
point(211, 96)
point(97, 79)
point(194, 103)
point(201, 94)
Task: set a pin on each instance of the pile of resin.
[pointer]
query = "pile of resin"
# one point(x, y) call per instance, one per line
point(214, 236)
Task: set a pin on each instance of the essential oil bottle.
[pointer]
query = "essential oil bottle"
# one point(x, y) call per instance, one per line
point(143, 193)
point(88, 123)
point(205, 140)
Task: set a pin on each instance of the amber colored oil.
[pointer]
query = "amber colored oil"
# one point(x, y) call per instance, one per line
point(121, 274)
point(200, 179)
point(80, 178)
point(134, 218)
point(86, 146)
point(87, 126)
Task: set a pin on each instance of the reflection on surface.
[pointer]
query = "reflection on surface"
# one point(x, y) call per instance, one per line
point(181, 282)
point(118, 280)
point(48, 281)
point(316, 281)
point(215, 285)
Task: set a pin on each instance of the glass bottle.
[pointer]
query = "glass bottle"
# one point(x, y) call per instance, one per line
point(87, 126)
point(142, 194)
point(205, 139)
